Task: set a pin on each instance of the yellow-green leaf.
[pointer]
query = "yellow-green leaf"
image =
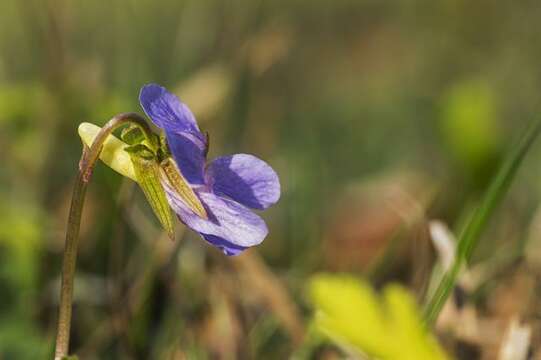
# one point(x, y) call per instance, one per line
point(387, 327)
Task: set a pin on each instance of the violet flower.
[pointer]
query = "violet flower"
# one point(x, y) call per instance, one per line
point(227, 187)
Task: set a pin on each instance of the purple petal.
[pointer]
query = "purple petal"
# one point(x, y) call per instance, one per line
point(188, 145)
point(189, 155)
point(166, 110)
point(227, 247)
point(245, 179)
point(230, 226)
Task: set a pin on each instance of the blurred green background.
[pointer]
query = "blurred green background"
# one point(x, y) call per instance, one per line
point(378, 116)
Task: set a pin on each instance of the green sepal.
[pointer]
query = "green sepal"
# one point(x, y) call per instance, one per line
point(141, 151)
point(173, 176)
point(163, 151)
point(132, 135)
point(147, 173)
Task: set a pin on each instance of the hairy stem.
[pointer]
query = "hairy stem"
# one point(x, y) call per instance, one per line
point(86, 165)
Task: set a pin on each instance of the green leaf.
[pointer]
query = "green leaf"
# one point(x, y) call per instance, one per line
point(469, 238)
point(112, 153)
point(148, 175)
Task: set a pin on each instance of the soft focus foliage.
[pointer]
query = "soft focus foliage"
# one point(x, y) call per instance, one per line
point(387, 326)
point(378, 117)
point(470, 125)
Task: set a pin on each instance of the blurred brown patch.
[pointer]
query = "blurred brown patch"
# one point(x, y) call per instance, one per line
point(372, 221)
point(504, 326)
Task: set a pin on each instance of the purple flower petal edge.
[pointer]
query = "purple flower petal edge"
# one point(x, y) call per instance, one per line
point(227, 247)
point(166, 110)
point(187, 144)
point(231, 226)
point(188, 155)
point(245, 179)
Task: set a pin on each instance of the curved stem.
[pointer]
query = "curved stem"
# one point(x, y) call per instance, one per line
point(86, 165)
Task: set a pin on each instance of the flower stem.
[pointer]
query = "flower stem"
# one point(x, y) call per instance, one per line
point(86, 165)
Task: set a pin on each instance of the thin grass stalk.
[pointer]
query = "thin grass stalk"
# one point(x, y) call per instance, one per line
point(472, 232)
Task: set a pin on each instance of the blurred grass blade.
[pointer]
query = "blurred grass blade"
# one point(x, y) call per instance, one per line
point(472, 232)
